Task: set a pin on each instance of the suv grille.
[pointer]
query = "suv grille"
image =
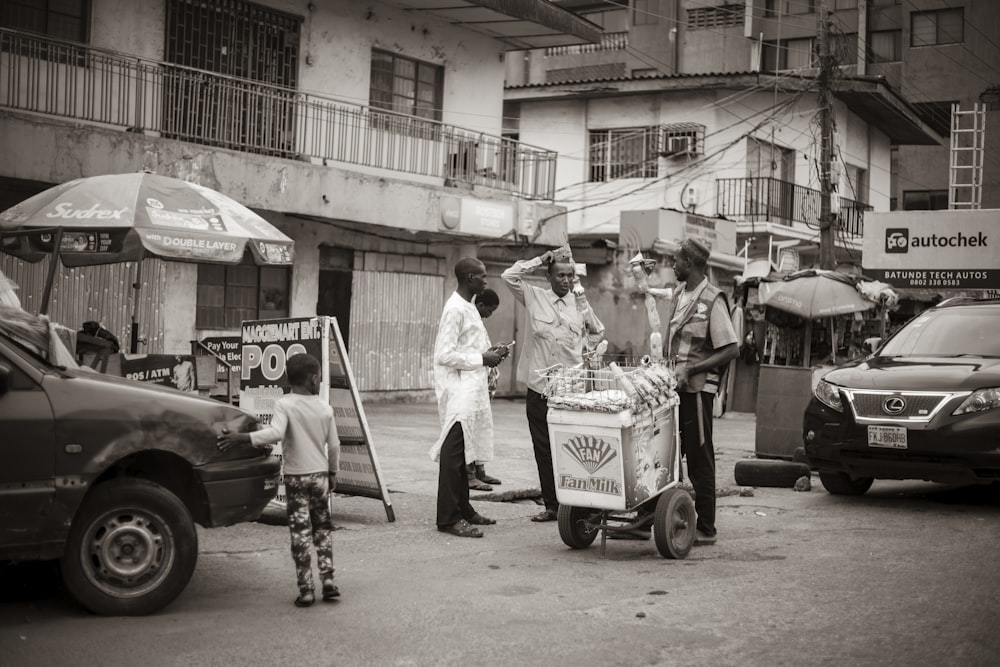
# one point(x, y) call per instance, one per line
point(909, 406)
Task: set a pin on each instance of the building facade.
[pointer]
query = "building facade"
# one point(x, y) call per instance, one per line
point(934, 53)
point(370, 133)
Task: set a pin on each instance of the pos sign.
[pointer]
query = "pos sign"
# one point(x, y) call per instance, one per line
point(265, 347)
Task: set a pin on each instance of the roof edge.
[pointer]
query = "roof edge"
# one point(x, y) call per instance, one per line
point(547, 14)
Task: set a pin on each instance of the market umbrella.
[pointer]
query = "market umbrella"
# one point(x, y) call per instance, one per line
point(812, 294)
point(123, 217)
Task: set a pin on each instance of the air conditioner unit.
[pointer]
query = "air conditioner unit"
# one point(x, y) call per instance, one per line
point(683, 145)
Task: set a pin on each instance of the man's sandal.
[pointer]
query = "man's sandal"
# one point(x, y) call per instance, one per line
point(305, 599)
point(461, 528)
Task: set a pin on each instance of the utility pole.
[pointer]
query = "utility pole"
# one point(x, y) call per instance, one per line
point(827, 237)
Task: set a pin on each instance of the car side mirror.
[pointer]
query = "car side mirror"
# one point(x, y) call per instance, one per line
point(872, 344)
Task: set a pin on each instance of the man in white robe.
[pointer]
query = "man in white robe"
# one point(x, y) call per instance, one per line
point(462, 359)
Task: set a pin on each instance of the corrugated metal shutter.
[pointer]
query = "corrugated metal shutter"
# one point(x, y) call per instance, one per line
point(394, 320)
point(101, 293)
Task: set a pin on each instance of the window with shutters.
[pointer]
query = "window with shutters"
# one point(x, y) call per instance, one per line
point(721, 16)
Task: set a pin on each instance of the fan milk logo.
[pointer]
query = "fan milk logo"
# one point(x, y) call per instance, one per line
point(898, 240)
point(592, 454)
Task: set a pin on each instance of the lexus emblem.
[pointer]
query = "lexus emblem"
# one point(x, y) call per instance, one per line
point(893, 405)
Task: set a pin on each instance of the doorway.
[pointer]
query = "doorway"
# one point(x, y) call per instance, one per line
point(336, 279)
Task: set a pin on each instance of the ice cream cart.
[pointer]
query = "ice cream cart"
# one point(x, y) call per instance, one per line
point(616, 456)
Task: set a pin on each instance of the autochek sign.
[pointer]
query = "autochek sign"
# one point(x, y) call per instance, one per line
point(899, 240)
point(65, 211)
point(933, 249)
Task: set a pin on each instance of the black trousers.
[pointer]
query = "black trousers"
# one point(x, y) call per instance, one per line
point(700, 456)
point(453, 481)
point(536, 408)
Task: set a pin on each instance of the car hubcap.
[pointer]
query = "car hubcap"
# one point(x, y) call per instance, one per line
point(127, 553)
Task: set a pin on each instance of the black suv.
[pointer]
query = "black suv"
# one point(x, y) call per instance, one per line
point(926, 405)
point(111, 475)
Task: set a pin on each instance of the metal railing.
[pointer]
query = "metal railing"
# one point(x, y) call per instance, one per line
point(610, 41)
point(764, 199)
point(133, 94)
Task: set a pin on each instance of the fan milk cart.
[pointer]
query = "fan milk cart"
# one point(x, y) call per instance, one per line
point(616, 456)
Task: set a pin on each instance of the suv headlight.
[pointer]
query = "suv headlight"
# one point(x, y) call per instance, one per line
point(829, 395)
point(980, 400)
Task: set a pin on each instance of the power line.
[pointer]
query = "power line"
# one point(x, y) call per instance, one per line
point(660, 179)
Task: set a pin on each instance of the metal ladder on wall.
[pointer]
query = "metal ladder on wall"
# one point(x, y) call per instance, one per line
point(965, 175)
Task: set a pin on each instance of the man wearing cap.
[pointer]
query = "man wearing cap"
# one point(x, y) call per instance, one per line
point(701, 342)
point(559, 323)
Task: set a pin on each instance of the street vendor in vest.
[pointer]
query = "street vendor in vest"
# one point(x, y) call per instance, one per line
point(701, 342)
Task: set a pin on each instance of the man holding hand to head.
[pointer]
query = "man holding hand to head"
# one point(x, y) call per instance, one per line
point(559, 324)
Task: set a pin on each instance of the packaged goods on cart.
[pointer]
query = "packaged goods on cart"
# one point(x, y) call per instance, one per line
point(610, 389)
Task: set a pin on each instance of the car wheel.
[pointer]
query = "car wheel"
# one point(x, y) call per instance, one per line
point(768, 472)
point(842, 484)
point(131, 550)
point(674, 524)
point(573, 526)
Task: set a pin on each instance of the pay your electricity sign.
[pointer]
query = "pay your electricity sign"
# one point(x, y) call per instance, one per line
point(934, 249)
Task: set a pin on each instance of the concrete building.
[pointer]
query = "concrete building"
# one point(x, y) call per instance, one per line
point(729, 158)
point(368, 132)
point(933, 53)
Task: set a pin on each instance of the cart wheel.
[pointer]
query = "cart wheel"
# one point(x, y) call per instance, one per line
point(573, 527)
point(674, 524)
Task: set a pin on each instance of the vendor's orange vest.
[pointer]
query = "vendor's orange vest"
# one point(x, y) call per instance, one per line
point(691, 343)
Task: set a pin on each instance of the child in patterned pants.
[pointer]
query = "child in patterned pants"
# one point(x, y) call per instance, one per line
point(311, 454)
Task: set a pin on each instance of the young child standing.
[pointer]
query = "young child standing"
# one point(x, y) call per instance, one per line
point(311, 454)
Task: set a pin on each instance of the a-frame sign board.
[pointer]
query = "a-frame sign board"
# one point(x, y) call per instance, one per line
point(265, 346)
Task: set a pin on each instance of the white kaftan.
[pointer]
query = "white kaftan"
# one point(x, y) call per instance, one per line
point(460, 379)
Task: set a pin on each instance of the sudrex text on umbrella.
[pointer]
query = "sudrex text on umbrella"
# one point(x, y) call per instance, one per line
point(65, 211)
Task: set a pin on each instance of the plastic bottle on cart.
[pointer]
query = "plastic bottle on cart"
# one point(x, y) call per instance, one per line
point(656, 346)
point(581, 297)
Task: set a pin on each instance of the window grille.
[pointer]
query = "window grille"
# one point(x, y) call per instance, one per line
point(623, 153)
point(682, 139)
point(236, 38)
point(239, 39)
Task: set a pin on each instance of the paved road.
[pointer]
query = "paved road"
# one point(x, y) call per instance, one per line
point(905, 575)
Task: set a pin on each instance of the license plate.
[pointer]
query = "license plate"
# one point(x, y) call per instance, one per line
point(891, 437)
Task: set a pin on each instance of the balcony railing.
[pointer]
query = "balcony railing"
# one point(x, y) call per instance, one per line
point(610, 41)
point(772, 200)
point(115, 90)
